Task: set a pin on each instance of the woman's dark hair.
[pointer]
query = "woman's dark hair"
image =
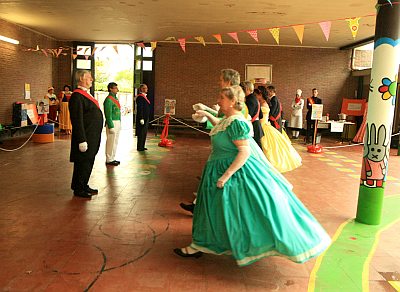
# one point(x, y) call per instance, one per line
point(263, 92)
point(66, 85)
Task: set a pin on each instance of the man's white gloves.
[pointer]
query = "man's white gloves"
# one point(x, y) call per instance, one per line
point(142, 122)
point(83, 147)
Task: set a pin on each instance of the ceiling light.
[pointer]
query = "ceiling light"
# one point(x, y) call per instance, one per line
point(8, 40)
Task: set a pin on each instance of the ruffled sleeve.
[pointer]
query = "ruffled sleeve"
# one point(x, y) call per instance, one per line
point(239, 130)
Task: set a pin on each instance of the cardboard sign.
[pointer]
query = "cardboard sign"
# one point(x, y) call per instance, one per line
point(316, 111)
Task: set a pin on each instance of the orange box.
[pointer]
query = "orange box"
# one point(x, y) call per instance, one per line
point(43, 138)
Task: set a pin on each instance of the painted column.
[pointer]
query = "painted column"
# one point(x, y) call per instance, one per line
point(381, 102)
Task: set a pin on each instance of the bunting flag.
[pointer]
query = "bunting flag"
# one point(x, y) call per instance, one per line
point(86, 57)
point(253, 34)
point(353, 24)
point(326, 28)
point(170, 38)
point(234, 36)
point(102, 48)
point(218, 37)
point(200, 39)
point(142, 45)
point(94, 50)
point(182, 43)
point(74, 56)
point(115, 47)
point(37, 48)
point(44, 52)
point(153, 45)
point(275, 33)
point(87, 50)
point(299, 30)
point(58, 52)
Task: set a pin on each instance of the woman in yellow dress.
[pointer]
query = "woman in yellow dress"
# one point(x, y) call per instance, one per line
point(278, 149)
point(65, 121)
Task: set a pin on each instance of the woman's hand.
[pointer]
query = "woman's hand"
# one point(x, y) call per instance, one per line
point(220, 183)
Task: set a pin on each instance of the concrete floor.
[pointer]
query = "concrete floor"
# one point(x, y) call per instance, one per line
point(122, 239)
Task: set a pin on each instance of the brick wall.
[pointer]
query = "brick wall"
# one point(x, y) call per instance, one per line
point(192, 77)
point(19, 66)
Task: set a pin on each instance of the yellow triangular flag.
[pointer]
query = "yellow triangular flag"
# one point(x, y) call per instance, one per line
point(275, 33)
point(299, 30)
point(171, 38)
point(153, 45)
point(200, 39)
point(218, 37)
point(353, 24)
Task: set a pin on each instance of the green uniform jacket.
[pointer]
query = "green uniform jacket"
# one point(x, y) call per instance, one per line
point(111, 111)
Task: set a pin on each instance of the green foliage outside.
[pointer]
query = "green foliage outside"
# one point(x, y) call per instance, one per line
point(124, 78)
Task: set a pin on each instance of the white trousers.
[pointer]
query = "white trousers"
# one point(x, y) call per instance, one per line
point(112, 141)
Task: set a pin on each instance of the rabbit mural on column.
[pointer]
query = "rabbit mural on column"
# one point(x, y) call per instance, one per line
point(374, 169)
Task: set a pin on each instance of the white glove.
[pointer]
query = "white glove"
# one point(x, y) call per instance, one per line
point(198, 118)
point(216, 107)
point(83, 147)
point(199, 106)
point(111, 130)
point(142, 122)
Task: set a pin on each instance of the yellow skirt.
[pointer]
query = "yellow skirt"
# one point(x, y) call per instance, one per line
point(279, 150)
point(65, 121)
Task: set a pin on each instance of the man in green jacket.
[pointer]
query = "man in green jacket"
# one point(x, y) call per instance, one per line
point(112, 112)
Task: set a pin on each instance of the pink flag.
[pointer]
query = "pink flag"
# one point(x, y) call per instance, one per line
point(182, 42)
point(141, 45)
point(44, 52)
point(234, 36)
point(253, 34)
point(326, 28)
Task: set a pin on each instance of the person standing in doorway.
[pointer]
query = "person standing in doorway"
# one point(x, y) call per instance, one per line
point(314, 99)
point(142, 117)
point(112, 112)
point(87, 124)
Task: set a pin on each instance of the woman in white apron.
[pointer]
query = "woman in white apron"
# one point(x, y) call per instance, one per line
point(296, 118)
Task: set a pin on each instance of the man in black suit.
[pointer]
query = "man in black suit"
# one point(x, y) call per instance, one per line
point(254, 108)
point(275, 108)
point(142, 117)
point(87, 124)
point(314, 99)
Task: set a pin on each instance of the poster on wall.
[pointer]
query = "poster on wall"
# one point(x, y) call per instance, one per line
point(27, 91)
point(259, 73)
point(169, 106)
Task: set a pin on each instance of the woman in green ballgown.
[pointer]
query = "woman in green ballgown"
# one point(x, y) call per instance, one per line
point(245, 207)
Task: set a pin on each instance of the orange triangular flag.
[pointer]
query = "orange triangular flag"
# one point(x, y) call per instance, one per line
point(253, 34)
point(326, 28)
point(182, 43)
point(275, 33)
point(234, 36)
point(44, 52)
point(142, 45)
point(218, 37)
point(74, 56)
point(153, 45)
point(94, 50)
point(299, 30)
point(200, 39)
point(115, 47)
point(353, 24)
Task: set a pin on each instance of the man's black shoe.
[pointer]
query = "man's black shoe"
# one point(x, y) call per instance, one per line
point(82, 194)
point(92, 191)
point(116, 161)
point(112, 163)
point(187, 207)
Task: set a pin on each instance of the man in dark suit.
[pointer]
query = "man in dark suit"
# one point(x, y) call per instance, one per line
point(275, 109)
point(314, 99)
point(254, 108)
point(87, 124)
point(142, 117)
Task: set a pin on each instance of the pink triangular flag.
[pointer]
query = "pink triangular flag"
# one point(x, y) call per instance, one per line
point(275, 33)
point(87, 57)
point(142, 45)
point(218, 37)
point(44, 52)
point(182, 43)
point(234, 36)
point(253, 34)
point(326, 28)
point(299, 30)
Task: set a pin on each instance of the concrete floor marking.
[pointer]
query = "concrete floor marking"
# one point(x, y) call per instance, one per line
point(345, 265)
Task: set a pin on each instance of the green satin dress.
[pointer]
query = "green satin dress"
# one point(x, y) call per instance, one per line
point(255, 214)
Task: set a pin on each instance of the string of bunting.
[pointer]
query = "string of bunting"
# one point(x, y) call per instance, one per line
point(353, 23)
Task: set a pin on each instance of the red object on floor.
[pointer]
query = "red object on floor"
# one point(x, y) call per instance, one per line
point(314, 149)
point(164, 141)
